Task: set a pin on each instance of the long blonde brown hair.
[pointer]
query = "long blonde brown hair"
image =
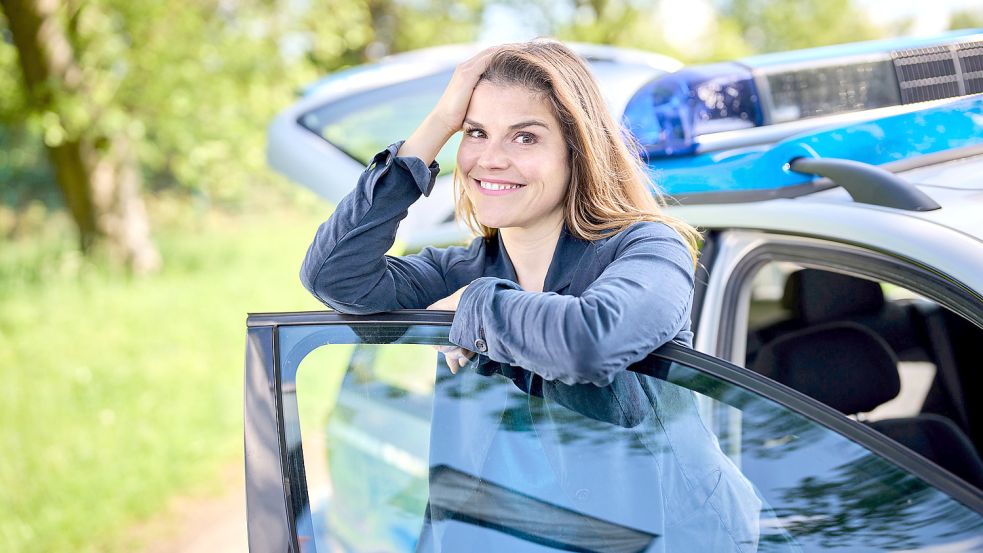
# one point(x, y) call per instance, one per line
point(609, 186)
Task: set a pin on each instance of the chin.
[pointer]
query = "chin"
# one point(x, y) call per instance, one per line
point(494, 221)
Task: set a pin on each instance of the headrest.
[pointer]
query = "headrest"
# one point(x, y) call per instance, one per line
point(816, 296)
point(843, 365)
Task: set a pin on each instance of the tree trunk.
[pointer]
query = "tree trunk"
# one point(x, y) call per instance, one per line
point(98, 175)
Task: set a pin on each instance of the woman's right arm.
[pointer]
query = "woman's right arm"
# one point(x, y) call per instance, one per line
point(346, 267)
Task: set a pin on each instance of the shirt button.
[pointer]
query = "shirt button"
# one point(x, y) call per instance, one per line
point(480, 345)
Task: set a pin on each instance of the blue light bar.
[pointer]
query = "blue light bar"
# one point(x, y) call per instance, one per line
point(669, 115)
point(764, 169)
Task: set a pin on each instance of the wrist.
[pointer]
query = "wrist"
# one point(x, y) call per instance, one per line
point(438, 128)
point(427, 140)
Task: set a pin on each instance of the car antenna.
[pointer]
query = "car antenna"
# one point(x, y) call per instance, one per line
point(866, 183)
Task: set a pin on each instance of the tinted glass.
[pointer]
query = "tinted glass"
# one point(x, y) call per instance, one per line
point(400, 455)
point(363, 124)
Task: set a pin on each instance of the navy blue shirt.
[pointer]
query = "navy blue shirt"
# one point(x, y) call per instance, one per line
point(605, 303)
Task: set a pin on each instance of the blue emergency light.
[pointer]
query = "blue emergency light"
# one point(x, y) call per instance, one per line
point(679, 119)
point(680, 113)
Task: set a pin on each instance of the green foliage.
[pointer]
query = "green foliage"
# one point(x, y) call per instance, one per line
point(25, 174)
point(968, 18)
point(739, 28)
point(357, 32)
point(11, 95)
point(778, 25)
point(194, 83)
point(117, 391)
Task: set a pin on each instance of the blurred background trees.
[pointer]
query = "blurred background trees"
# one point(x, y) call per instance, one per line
point(104, 100)
point(136, 128)
point(108, 99)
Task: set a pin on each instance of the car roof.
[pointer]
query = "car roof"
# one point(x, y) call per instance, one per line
point(948, 239)
point(624, 66)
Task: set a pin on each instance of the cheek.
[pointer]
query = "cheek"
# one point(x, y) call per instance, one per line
point(466, 156)
point(555, 171)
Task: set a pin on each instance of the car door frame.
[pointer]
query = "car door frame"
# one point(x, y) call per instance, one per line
point(739, 254)
point(274, 479)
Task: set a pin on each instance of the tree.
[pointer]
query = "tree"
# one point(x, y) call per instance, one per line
point(92, 154)
point(966, 19)
point(778, 25)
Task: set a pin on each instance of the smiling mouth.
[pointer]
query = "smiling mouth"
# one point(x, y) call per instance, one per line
point(497, 186)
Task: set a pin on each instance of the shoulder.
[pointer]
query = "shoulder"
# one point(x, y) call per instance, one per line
point(644, 233)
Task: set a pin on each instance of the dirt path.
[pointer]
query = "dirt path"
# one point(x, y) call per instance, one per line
point(216, 523)
point(199, 523)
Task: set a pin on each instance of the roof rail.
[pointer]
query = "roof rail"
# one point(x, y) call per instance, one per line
point(866, 183)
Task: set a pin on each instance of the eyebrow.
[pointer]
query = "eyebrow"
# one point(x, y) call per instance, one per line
point(519, 125)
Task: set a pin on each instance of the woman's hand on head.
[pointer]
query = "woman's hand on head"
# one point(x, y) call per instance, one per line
point(453, 104)
point(447, 116)
point(456, 357)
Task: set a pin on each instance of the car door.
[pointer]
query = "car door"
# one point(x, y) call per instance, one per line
point(358, 438)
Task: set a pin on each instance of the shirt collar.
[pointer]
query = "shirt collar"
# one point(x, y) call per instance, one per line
point(567, 257)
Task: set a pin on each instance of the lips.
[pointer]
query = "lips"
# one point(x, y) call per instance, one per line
point(497, 187)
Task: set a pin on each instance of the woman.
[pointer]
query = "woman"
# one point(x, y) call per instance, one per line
point(573, 249)
point(575, 275)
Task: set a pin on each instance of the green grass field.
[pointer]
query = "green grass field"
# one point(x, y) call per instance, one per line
point(119, 393)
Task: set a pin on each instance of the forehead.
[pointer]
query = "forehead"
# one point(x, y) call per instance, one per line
point(497, 104)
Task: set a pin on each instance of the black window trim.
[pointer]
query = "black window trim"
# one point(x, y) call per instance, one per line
point(851, 259)
point(295, 483)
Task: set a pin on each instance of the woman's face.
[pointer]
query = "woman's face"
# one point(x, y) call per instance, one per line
point(513, 158)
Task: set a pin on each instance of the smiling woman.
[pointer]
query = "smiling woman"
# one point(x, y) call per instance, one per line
point(513, 150)
point(575, 275)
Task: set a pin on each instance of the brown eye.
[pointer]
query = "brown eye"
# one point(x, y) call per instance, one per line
point(526, 138)
point(473, 133)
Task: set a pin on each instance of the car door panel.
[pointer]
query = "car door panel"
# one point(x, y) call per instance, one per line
point(417, 458)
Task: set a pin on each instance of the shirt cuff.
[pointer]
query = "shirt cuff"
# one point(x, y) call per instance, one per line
point(468, 328)
point(424, 176)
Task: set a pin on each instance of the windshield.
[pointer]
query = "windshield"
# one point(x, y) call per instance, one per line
point(398, 454)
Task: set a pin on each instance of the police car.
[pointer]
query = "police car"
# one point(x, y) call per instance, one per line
point(838, 320)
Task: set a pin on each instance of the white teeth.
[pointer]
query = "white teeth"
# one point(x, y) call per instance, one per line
point(496, 186)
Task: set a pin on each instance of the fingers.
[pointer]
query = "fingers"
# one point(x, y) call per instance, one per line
point(479, 62)
point(455, 357)
point(453, 104)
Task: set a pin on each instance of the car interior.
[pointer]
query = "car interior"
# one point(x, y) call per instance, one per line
point(841, 340)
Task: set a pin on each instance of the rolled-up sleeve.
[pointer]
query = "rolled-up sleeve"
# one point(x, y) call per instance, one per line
point(640, 301)
point(346, 267)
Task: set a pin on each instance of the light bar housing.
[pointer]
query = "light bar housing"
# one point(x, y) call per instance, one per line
point(669, 115)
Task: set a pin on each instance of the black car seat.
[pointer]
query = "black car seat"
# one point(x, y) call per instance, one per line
point(850, 368)
point(813, 296)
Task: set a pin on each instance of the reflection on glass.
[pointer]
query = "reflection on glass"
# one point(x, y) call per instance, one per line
point(416, 459)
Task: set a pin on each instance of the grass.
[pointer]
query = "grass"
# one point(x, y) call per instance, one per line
point(119, 392)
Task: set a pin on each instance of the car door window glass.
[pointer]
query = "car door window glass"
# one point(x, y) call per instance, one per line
point(667, 458)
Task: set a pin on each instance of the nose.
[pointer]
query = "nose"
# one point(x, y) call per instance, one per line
point(493, 156)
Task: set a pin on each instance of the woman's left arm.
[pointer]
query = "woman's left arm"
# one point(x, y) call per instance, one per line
point(640, 301)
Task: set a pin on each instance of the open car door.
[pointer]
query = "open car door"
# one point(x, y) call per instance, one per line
point(358, 438)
